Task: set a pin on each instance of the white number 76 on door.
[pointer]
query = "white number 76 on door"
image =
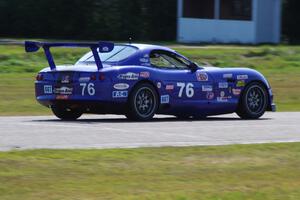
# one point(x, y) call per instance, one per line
point(189, 89)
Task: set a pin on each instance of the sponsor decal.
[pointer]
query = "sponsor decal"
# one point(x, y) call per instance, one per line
point(202, 76)
point(207, 88)
point(84, 79)
point(227, 75)
point(144, 60)
point(236, 91)
point(120, 94)
point(129, 76)
point(105, 49)
point(65, 79)
point(121, 86)
point(158, 85)
point(242, 77)
point(222, 97)
point(169, 87)
point(165, 99)
point(63, 90)
point(146, 64)
point(240, 83)
point(223, 85)
point(229, 90)
point(145, 74)
point(222, 94)
point(210, 95)
point(146, 55)
point(62, 97)
point(48, 89)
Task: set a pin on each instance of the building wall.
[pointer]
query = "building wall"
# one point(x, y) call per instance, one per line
point(215, 31)
point(264, 27)
point(268, 21)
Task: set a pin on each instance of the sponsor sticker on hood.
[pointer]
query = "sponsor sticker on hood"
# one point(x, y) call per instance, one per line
point(242, 77)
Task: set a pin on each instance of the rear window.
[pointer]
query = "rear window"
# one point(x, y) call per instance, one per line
point(119, 53)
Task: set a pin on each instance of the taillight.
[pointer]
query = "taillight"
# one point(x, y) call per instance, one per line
point(39, 77)
point(93, 77)
point(101, 77)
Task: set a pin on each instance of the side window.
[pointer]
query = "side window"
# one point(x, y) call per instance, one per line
point(157, 60)
point(167, 60)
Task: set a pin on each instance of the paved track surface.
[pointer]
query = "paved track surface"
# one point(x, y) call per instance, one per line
point(110, 131)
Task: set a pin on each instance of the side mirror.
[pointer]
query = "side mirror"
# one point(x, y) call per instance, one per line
point(194, 67)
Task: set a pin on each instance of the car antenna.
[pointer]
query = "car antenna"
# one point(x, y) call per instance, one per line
point(130, 40)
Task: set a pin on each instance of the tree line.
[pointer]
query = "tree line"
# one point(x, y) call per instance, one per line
point(89, 19)
point(108, 19)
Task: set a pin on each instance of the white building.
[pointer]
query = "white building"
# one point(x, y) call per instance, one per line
point(229, 21)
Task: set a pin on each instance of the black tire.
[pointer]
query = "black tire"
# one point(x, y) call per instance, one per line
point(190, 117)
point(142, 103)
point(65, 113)
point(253, 102)
point(183, 117)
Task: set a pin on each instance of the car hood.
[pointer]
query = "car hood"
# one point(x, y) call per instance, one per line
point(231, 70)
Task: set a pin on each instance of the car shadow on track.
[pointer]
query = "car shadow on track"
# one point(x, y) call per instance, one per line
point(154, 120)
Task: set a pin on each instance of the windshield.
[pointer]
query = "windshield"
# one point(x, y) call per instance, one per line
point(119, 53)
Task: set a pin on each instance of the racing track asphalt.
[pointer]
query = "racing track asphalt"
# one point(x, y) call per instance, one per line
point(110, 131)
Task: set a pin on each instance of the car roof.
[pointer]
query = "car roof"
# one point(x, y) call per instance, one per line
point(149, 47)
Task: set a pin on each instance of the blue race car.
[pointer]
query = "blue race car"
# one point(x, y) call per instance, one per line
point(140, 80)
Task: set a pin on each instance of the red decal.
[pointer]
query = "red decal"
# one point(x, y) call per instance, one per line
point(145, 74)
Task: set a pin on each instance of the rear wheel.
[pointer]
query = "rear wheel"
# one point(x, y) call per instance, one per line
point(65, 113)
point(254, 101)
point(143, 103)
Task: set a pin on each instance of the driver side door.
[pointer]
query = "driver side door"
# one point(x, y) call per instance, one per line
point(189, 90)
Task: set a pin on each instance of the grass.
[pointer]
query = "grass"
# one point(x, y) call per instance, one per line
point(280, 64)
point(256, 172)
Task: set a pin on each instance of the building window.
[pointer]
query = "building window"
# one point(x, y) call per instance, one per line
point(198, 9)
point(236, 9)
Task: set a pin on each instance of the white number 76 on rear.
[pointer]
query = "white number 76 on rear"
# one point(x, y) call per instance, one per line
point(89, 87)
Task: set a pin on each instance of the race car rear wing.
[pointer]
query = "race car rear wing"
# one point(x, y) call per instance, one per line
point(102, 47)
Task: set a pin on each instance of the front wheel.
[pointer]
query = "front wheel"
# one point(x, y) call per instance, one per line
point(142, 103)
point(65, 113)
point(254, 101)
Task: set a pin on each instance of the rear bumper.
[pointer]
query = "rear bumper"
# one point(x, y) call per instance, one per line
point(89, 106)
